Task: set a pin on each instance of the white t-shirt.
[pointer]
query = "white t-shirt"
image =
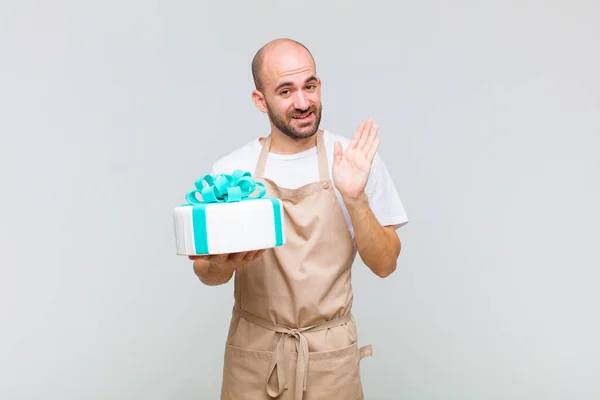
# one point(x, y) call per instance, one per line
point(295, 170)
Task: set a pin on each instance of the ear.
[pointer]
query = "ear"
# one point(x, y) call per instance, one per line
point(319, 87)
point(319, 83)
point(259, 101)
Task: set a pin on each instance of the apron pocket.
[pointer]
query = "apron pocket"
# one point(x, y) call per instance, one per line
point(334, 374)
point(245, 373)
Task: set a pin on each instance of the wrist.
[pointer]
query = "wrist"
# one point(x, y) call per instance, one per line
point(354, 202)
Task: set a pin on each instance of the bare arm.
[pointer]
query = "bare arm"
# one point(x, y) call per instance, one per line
point(378, 246)
point(214, 270)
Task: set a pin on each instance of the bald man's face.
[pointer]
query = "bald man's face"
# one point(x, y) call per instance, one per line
point(292, 91)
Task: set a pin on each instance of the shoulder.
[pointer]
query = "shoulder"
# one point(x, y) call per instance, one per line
point(243, 157)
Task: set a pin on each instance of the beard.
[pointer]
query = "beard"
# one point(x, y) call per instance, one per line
point(285, 123)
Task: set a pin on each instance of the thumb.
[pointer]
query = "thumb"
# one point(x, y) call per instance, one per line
point(337, 153)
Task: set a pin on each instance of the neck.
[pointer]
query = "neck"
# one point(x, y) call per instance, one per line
point(283, 144)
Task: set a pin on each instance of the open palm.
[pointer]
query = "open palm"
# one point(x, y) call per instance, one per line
point(351, 168)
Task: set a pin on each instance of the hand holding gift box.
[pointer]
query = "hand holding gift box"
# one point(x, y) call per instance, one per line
point(224, 215)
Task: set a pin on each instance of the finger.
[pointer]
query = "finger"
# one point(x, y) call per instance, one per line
point(372, 136)
point(260, 253)
point(357, 135)
point(365, 134)
point(247, 256)
point(373, 150)
point(252, 255)
point(337, 153)
point(218, 258)
point(257, 256)
point(236, 257)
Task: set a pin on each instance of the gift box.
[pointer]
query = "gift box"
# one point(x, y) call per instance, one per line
point(228, 214)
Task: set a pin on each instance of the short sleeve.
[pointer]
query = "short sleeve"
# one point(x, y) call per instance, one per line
point(383, 196)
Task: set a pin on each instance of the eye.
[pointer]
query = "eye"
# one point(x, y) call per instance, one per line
point(311, 86)
point(284, 92)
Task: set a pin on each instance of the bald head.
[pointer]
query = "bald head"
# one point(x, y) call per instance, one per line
point(273, 49)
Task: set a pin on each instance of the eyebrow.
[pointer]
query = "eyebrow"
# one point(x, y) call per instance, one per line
point(288, 83)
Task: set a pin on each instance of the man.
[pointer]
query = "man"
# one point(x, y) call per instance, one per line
point(292, 334)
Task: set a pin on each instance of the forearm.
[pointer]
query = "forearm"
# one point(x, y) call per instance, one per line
point(378, 246)
point(211, 275)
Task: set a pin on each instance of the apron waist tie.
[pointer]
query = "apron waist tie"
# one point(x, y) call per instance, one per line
point(281, 359)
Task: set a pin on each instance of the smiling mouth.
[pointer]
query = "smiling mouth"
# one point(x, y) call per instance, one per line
point(303, 116)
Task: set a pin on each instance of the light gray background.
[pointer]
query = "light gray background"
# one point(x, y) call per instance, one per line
point(490, 120)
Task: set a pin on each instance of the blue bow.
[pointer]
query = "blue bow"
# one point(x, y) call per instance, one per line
point(226, 188)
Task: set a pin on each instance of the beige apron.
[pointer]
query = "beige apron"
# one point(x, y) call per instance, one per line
point(292, 334)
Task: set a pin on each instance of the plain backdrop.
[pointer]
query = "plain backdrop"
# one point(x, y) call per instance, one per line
point(490, 127)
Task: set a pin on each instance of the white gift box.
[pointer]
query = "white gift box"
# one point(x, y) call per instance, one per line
point(228, 220)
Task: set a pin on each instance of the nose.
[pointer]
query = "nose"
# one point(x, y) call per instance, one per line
point(300, 101)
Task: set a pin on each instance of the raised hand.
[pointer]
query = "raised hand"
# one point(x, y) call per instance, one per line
point(352, 167)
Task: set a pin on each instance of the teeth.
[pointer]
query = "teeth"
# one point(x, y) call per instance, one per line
point(302, 116)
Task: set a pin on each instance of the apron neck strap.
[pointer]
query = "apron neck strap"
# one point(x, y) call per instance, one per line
point(262, 158)
point(321, 154)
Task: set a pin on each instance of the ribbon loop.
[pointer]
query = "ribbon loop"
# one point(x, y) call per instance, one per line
point(225, 188)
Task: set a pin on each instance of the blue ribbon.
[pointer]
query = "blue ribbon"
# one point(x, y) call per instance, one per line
point(224, 188)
